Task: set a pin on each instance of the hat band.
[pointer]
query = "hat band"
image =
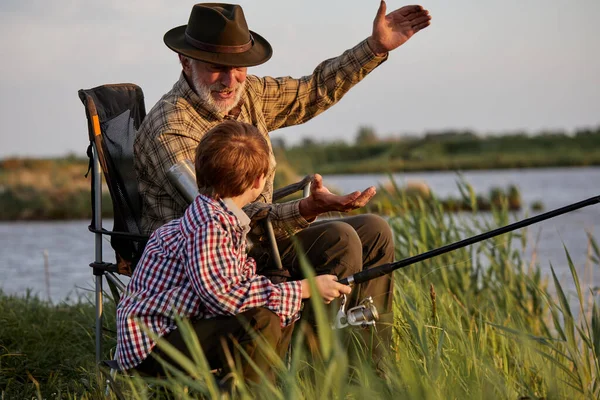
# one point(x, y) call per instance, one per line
point(215, 48)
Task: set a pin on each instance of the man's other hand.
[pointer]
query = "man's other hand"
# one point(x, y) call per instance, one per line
point(321, 200)
point(393, 30)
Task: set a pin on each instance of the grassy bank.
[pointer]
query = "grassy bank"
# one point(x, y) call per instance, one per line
point(477, 323)
point(46, 189)
point(46, 350)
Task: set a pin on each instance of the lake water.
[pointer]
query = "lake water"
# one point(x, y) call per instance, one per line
point(67, 248)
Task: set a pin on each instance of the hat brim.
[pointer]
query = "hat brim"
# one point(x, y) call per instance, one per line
point(260, 52)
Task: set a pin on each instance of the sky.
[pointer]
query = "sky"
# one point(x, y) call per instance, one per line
point(489, 66)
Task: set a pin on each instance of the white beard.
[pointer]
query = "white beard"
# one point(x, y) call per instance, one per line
point(204, 92)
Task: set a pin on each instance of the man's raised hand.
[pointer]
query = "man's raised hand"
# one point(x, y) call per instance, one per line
point(321, 200)
point(394, 29)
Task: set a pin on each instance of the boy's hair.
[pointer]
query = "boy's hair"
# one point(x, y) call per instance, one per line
point(229, 158)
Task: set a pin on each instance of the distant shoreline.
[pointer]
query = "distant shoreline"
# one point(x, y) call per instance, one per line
point(57, 189)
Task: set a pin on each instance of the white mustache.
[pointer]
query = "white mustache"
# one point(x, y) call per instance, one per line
point(222, 88)
point(204, 92)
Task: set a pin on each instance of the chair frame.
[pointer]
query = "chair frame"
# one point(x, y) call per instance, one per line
point(100, 267)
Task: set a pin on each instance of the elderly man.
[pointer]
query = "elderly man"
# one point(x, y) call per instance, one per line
point(215, 48)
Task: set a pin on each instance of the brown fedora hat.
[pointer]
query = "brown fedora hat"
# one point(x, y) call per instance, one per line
point(217, 33)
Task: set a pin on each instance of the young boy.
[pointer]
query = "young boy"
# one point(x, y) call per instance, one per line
point(196, 267)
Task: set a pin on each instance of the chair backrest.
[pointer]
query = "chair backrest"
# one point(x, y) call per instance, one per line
point(114, 114)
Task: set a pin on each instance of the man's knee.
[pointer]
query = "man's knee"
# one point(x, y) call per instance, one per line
point(376, 237)
point(344, 233)
point(373, 227)
point(343, 247)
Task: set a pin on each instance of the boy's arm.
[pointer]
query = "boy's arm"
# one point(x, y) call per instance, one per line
point(226, 280)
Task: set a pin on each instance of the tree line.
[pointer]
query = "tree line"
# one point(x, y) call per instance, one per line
point(443, 150)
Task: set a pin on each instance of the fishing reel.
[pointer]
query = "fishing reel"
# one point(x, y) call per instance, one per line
point(363, 315)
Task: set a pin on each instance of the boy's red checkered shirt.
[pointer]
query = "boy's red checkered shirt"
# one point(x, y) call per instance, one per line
point(195, 267)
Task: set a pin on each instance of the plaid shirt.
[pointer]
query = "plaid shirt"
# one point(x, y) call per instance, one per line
point(174, 126)
point(196, 267)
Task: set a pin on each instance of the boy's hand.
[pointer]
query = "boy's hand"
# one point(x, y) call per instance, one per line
point(327, 287)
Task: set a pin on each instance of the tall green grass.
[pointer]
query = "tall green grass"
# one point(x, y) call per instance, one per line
point(48, 350)
point(481, 322)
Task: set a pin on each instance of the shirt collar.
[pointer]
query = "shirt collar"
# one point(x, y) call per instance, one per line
point(238, 212)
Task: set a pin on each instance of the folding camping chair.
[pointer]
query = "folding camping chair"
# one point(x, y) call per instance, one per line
point(114, 114)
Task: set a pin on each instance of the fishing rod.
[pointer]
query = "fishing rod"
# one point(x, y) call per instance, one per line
point(366, 313)
point(385, 269)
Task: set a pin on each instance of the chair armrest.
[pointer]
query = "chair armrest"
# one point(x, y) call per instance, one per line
point(285, 191)
point(183, 177)
point(123, 235)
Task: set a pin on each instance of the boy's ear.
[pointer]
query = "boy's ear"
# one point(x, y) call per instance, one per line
point(257, 182)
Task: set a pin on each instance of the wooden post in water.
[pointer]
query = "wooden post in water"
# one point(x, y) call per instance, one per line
point(47, 274)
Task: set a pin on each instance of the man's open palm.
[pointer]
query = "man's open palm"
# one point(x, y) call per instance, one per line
point(321, 200)
point(392, 30)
